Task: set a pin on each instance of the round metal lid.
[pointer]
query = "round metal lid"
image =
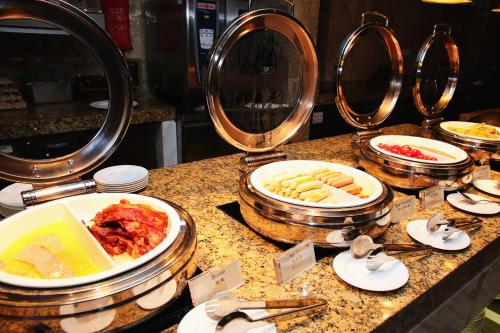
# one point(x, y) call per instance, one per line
point(111, 59)
point(261, 80)
point(382, 30)
point(441, 32)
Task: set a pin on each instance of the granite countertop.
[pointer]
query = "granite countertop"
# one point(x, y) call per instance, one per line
point(201, 186)
point(72, 117)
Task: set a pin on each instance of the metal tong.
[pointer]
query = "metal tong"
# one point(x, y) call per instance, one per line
point(296, 308)
point(364, 245)
point(453, 225)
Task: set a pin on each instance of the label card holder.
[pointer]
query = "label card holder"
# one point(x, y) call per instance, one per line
point(481, 172)
point(432, 196)
point(294, 261)
point(217, 279)
point(404, 209)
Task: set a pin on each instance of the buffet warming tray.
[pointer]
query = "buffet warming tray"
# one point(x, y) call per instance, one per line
point(396, 171)
point(326, 227)
point(408, 174)
point(116, 302)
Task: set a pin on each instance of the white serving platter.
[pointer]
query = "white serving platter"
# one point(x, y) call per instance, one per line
point(369, 183)
point(74, 210)
point(418, 230)
point(465, 125)
point(427, 146)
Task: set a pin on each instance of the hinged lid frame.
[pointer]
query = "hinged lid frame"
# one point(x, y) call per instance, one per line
point(298, 36)
point(375, 118)
point(112, 61)
point(440, 32)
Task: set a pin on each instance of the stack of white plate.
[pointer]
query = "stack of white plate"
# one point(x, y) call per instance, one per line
point(11, 200)
point(121, 179)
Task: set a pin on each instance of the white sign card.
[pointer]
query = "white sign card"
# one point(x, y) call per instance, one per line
point(207, 284)
point(294, 261)
point(431, 196)
point(481, 172)
point(404, 209)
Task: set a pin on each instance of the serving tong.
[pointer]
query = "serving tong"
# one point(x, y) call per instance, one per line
point(377, 254)
point(226, 307)
point(453, 225)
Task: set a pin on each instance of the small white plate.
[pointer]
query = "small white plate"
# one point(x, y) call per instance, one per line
point(485, 208)
point(488, 186)
point(10, 196)
point(418, 230)
point(120, 175)
point(369, 183)
point(390, 276)
point(197, 321)
point(103, 105)
point(427, 146)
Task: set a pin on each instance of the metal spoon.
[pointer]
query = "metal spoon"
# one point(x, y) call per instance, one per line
point(473, 201)
point(375, 261)
point(227, 302)
point(363, 245)
point(292, 313)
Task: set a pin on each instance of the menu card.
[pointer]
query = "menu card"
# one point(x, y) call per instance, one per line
point(404, 209)
point(207, 284)
point(431, 196)
point(481, 172)
point(294, 261)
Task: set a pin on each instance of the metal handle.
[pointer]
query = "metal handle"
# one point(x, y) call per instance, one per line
point(441, 25)
point(55, 192)
point(314, 305)
point(374, 13)
point(405, 247)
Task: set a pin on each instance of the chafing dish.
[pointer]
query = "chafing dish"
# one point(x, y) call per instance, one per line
point(289, 72)
point(396, 171)
point(480, 149)
point(117, 301)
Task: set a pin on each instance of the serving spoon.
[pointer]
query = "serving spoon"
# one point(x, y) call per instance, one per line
point(375, 261)
point(363, 245)
point(471, 200)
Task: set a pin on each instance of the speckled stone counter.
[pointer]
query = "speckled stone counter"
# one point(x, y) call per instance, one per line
point(201, 186)
point(72, 117)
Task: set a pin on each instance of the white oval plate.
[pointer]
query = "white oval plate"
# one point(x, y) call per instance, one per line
point(368, 182)
point(423, 145)
point(103, 105)
point(418, 230)
point(464, 124)
point(120, 175)
point(197, 321)
point(82, 208)
point(390, 276)
point(488, 185)
point(485, 208)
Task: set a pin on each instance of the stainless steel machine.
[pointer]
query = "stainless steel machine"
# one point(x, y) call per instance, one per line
point(179, 35)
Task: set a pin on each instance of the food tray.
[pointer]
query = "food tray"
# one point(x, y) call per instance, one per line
point(109, 304)
point(370, 184)
point(71, 212)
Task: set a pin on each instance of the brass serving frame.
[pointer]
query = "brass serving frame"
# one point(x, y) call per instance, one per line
point(375, 118)
point(298, 36)
point(71, 166)
point(440, 32)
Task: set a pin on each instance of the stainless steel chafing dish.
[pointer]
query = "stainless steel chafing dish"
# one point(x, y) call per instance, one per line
point(480, 149)
point(288, 69)
point(398, 172)
point(120, 300)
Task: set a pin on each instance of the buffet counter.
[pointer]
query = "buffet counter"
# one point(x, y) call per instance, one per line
point(72, 117)
point(201, 187)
